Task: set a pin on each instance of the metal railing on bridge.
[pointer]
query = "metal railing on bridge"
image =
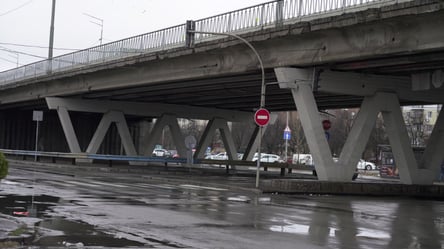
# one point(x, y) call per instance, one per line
point(241, 21)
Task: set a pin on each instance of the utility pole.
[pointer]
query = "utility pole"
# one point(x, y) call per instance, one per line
point(51, 31)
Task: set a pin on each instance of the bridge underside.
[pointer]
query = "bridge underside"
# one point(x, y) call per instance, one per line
point(242, 91)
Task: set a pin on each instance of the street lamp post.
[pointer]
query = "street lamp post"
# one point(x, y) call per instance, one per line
point(100, 23)
point(190, 31)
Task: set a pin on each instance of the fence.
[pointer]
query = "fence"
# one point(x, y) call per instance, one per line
point(245, 20)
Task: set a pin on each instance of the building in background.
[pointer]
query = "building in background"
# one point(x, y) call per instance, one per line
point(420, 120)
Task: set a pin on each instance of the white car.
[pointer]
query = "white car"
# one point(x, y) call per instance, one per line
point(268, 158)
point(220, 156)
point(161, 153)
point(362, 164)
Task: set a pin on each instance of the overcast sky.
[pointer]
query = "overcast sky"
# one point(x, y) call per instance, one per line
point(27, 22)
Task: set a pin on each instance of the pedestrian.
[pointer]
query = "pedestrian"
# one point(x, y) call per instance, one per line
point(441, 175)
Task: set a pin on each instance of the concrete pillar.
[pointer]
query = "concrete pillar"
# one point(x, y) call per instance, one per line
point(430, 164)
point(359, 135)
point(399, 139)
point(68, 129)
point(254, 140)
point(300, 82)
point(156, 132)
point(205, 141)
point(144, 133)
point(122, 127)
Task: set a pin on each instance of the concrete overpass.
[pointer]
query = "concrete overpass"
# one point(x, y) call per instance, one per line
point(376, 55)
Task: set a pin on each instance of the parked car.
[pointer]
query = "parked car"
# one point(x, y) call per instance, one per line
point(365, 165)
point(304, 159)
point(174, 153)
point(240, 156)
point(161, 153)
point(268, 158)
point(219, 156)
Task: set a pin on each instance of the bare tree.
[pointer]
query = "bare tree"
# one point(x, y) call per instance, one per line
point(414, 120)
point(298, 143)
point(242, 132)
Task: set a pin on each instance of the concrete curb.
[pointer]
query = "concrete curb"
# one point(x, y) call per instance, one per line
point(352, 188)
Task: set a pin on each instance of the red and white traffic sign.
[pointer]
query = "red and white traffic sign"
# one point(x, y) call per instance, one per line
point(261, 117)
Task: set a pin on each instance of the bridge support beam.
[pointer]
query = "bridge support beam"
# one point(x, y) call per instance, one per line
point(254, 140)
point(227, 138)
point(311, 122)
point(122, 127)
point(99, 135)
point(68, 129)
point(300, 82)
point(170, 121)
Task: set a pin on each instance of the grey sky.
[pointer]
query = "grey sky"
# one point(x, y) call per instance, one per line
point(26, 22)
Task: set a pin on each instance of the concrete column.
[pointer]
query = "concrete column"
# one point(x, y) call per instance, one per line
point(144, 133)
point(205, 141)
point(156, 132)
point(300, 83)
point(359, 135)
point(123, 130)
point(399, 139)
point(429, 166)
point(68, 129)
point(252, 144)
point(254, 140)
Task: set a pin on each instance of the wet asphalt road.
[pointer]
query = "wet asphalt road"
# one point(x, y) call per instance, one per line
point(104, 210)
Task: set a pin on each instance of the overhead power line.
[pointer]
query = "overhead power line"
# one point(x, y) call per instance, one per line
point(19, 52)
point(10, 61)
point(36, 46)
point(16, 8)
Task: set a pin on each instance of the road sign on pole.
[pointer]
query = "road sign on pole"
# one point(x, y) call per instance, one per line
point(262, 117)
point(287, 133)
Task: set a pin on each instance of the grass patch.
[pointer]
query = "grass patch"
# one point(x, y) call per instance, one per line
point(9, 244)
point(19, 231)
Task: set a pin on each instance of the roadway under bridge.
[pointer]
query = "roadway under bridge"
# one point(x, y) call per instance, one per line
point(376, 55)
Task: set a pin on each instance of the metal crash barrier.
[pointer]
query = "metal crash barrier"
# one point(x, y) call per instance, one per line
point(165, 160)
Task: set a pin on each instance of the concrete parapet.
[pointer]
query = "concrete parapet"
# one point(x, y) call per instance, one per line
point(294, 186)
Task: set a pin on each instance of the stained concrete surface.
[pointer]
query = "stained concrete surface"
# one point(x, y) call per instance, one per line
point(191, 211)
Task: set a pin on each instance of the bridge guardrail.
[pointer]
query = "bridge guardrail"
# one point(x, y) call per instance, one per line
point(257, 17)
point(111, 158)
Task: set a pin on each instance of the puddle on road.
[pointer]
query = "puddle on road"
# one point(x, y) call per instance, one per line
point(53, 231)
point(74, 232)
point(15, 205)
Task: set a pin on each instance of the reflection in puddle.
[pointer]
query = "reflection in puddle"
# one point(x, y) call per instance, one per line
point(60, 231)
point(14, 205)
point(57, 231)
point(372, 234)
point(298, 229)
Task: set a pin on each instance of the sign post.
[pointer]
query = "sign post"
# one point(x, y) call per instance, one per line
point(261, 117)
point(37, 116)
point(190, 143)
point(287, 136)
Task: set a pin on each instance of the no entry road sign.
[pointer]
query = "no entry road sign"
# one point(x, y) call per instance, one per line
point(261, 117)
